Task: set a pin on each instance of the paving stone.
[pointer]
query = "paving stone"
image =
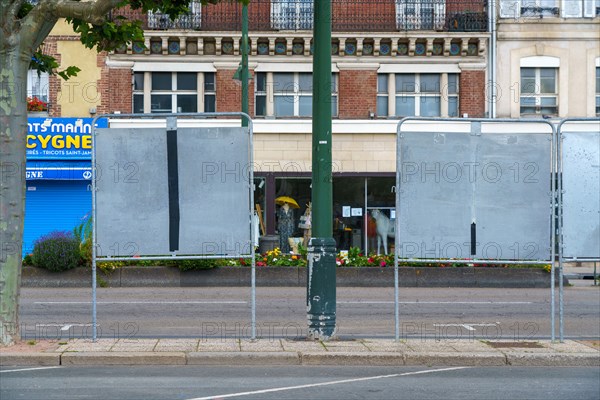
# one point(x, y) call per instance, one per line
point(346, 346)
point(139, 345)
point(261, 345)
point(185, 345)
point(216, 345)
point(386, 345)
point(88, 345)
point(430, 346)
point(302, 345)
point(570, 346)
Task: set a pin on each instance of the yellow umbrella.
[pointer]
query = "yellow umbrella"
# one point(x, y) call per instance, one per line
point(281, 200)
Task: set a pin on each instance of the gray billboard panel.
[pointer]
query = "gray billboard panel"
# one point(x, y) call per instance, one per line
point(435, 195)
point(136, 197)
point(513, 212)
point(581, 194)
point(477, 192)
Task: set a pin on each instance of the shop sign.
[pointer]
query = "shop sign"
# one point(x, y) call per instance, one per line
point(59, 173)
point(60, 138)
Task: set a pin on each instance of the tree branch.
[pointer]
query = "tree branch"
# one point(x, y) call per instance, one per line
point(93, 12)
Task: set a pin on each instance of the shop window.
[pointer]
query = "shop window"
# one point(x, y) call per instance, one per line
point(177, 92)
point(539, 94)
point(292, 14)
point(37, 85)
point(288, 94)
point(421, 95)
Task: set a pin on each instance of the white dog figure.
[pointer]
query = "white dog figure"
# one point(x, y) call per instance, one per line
point(385, 228)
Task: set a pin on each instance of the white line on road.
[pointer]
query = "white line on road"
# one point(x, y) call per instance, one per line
point(223, 396)
point(436, 302)
point(26, 369)
point(141, 302)
point(468, 327)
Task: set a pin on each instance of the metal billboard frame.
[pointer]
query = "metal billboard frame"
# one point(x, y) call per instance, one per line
point(561, 257)
point(552, 203)
point(171, 120)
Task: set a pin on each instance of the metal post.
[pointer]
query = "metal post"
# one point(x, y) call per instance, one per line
point(244, 74)
point(321, 285)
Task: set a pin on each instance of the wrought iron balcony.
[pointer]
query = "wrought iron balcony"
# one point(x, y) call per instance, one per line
point(347, 16)
point(192, 20)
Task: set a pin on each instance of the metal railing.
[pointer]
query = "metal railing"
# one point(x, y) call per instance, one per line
point(347, 16)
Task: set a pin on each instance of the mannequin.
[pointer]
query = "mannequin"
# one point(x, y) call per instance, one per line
point(285, 226)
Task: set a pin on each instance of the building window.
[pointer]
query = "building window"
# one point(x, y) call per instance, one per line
point(292, 14)
point(288, 94)
point(382, 95)
point(190, 20)
point(549, 8)
point(539, 91)
point(420, 95)
point(37, 85)
point(420, 14)
point(173, 92)
point(597, 90)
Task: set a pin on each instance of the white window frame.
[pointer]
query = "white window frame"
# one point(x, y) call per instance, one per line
point(541, 8)
point(580, 8)
point(410, 15)
point(147, 91)
point(292, 14)
point(271, 91)
point(597, 97)
point(442, 94)
point(538, 95)
point(38, 85)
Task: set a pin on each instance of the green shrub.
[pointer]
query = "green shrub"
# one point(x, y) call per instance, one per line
point(27, 260)
point(83, 233)
point(56, 251)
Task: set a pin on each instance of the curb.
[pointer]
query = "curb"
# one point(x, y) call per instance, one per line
point(124, 358)
point(300, 358)
point(243, 358)
point(553, 360)
point(456, 359)
point(292, 277)
point(29, 359)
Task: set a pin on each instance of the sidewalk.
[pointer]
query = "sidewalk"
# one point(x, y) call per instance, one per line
point(263, 352)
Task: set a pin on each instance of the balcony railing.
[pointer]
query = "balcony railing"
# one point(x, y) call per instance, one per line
point(347, 16)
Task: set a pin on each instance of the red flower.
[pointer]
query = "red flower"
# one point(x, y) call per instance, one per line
point(35, 104)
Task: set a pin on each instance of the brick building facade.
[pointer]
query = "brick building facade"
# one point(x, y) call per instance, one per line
point(388, 61)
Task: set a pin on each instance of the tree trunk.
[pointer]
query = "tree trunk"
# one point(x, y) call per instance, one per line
point(13, 133)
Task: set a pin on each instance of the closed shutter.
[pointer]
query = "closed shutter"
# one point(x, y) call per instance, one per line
point(54, 205)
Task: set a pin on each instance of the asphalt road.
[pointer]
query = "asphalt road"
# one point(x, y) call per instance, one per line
point(461, 313)
point(281, 383)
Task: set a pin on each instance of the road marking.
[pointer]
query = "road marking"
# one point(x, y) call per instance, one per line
point(468, 327)
point(224, 396)
point(141, 302)
point(27, 369)
point(437, 302)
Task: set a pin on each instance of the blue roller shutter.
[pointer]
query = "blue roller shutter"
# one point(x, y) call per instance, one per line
point(54, 205)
